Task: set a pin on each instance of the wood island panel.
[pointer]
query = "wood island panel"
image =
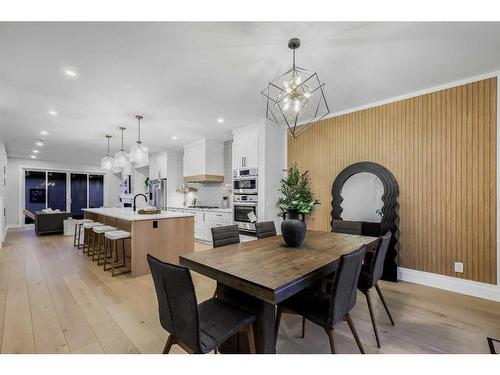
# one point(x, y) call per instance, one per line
point(172, 238)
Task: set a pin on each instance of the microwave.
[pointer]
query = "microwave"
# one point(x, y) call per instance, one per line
point(245, 181)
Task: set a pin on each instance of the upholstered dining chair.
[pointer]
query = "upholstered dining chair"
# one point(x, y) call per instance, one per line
point(265, 229)
point(327, 309)
point(370, 275)
point(226, 235)
point(195, 328)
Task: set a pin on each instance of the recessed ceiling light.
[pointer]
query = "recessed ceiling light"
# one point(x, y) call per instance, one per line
point(33, 156)
point(70, 72)
point(174, 137)
point(220, 120)
point(36, 151)
point(53, 113)
point(44, 132)
point(39, 143)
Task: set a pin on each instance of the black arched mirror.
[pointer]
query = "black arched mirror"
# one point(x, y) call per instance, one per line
point(364, 201)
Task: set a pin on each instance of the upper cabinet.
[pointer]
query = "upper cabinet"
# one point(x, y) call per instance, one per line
point(158, 165)
point(204, 161)
point(245, 149)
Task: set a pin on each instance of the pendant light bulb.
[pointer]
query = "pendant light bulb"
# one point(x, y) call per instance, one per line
point(139, 152)
point(122, 158)
point(107, 162)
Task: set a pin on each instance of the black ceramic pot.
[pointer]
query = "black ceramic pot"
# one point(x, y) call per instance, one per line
point(293, 228)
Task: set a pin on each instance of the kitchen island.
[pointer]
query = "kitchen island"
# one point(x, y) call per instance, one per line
point(166, 235)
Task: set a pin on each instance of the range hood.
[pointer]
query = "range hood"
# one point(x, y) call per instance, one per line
point(204, 161)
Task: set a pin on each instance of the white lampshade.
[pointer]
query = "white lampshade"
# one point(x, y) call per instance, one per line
point(139, 155)
point(116, 168)
point(121, 159)
point(107, 163)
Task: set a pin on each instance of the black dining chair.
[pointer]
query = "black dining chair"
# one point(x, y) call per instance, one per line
point(226, 235)
point(327, 309)
point(265, 229)
point(195, 328)
point(371, 273)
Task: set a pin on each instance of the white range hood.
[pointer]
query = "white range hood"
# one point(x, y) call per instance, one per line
point(204, 161)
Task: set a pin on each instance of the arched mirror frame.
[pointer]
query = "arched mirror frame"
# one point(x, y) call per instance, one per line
point(390, 208)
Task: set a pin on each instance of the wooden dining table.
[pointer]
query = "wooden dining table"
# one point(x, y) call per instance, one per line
point(257, 275)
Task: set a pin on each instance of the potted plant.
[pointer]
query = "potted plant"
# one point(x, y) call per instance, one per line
point(295, 202)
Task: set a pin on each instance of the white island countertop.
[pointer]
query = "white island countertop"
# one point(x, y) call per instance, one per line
point(129, 215)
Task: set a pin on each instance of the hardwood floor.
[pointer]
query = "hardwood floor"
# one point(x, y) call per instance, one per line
point(54, 299)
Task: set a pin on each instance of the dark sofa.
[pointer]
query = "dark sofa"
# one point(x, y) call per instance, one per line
point(50, 222)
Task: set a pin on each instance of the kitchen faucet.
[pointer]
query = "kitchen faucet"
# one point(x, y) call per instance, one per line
point(135, 196)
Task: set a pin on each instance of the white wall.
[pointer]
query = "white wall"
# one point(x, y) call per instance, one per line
point(111, 182)
point(3, 191)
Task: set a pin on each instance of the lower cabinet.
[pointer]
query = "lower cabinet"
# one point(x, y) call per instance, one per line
point(204, 221)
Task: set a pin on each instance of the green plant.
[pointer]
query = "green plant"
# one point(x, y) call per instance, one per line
point(296, 193)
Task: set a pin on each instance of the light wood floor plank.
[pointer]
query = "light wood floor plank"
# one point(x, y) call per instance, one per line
point(18, 330)
point(4, 278)
point(47, 330)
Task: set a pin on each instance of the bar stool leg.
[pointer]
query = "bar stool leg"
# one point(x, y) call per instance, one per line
point(85, 240)
point(99, 258)
point(91, 243)
point(95, 253)
point(74, 236)
point(79, 244)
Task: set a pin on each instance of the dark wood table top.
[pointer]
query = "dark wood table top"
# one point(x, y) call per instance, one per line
point(269, 270)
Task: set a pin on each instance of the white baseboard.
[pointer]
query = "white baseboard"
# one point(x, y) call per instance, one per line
point(453, 284)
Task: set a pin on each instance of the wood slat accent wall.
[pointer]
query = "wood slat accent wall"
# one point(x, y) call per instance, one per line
point(441, 147)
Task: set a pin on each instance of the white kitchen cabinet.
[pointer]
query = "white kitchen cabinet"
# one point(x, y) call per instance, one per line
point(215, 219)
point(158, 165)
point(245, 149)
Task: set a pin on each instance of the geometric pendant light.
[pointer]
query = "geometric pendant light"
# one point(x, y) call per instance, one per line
point(139, 152)
point(121, 157)
point(295, 100)
point(107, 162)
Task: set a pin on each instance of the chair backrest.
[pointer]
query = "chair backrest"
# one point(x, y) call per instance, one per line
point(177, 302)
point(226, 235)
point(345, 284)
point(377, 264)
point(265, 229)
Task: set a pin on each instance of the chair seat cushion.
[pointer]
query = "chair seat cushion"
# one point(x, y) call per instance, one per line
point(365, 278)
point(117, 234)
point(313, 304)
point(219, 321)
point(103, 228)
point(91, 225)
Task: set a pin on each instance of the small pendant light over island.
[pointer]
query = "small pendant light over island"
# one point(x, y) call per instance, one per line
point(139, 152)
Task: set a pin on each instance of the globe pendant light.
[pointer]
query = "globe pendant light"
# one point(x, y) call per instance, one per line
point(121, 157)
point(107, 162)
point(295, 100)
point(139, 152)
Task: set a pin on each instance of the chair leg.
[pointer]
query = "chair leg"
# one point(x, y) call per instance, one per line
point(168, 344)
point(277, 324)
point(383, 302)
point(372, 315)
point(354, 333)
point(251, 338)
point(303, 327)
point(329, 333)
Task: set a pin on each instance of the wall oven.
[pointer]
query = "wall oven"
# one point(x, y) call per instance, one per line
point(245, 181)
point(245, 212)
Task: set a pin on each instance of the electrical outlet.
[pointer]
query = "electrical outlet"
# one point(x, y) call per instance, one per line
point(459, 267)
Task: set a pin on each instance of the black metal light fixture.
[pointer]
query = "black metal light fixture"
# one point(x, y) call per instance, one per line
point(296, 99)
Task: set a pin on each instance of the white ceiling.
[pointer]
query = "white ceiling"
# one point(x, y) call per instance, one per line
point(183, 76)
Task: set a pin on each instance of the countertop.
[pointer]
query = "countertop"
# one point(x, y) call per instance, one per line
point(217, 209)
point(129, 215)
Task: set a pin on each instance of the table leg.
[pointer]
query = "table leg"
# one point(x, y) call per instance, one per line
point(263, 326)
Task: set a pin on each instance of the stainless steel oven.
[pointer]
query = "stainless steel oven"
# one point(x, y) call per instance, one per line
point(245, 181)
point(245, 212)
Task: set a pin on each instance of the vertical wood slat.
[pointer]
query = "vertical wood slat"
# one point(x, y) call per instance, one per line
point(441, 147)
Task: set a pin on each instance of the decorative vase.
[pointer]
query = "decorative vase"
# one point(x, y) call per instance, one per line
point(293, 228)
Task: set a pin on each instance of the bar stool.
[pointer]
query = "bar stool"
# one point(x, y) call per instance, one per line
point(99, 234)
point(88, 236)
point(112, 257)
point(78, 232)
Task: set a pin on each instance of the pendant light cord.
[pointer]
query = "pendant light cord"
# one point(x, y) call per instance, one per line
point(139, 129)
